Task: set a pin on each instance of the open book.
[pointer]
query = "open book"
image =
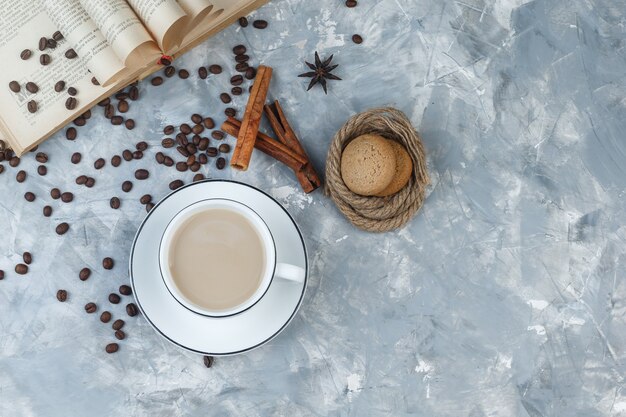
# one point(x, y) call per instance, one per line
point(116, 41)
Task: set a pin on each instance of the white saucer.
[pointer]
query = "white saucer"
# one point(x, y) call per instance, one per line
point(210, 335)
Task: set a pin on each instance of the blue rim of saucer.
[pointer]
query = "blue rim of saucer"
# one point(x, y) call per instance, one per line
point(155, 327)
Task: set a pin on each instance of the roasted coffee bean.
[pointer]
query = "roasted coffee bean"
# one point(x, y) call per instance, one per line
point(181, 166)
point(80, 121)
point(86, 115)
point(160, 158)
point(224, 148)
point(112, 348)
point(118, 324)
point(47, 211)
point(351, 3)
point(185, 128)
point(95, 81)
point(70, 103)
point(32, 106)
point(1, 168)
point(99, 164)
point(195, 139)
point(114, 298)
point(67, 197)
point(215, 69)
point(169, 72)
point(44, 59)
point(165, 61)
point(142, 174)
point(57, 36)
point(236, 80)
point(145, 199)
point(208, 361)
point(196, 118)
point(176, 184)
point(243, 22)
point(27, 257)
point(41, 157)
point(25, 54)
point(120, 335)
point(1, 274)
point(183, 73)
point(62, 295)
point(191, 160)
point(156, 81)
point(121, 95)
point(181, 138)
point(55, 193)
point(127, 155)
point(202, 159)
point(14, 86)
point(260, 24)
point(31, 87)
point(107, 263)
point(239, 50)
point(62, 228)
point(70, 54)
point(225, 98)
point(149, 207)
point(30, 197)
point(14, 161)
point(71, 133)
point(127, 186)
point(84, 274)
point(250, 73)
point(21, 176)
point(217, 134)
point(125, 290)
point(81, 180)
point(133, 93)
point(242, 58)
point(198, 177)
point(195, 167)
point(109, 111)
point(208, 123)
point(250, 89)
point(90, 182)
point(191, 148)
point(21, 269)
point(358, 39)
point(197, 129)
point(114, 203)
point(203, 73)
point(131, 309)
point(116, 161)
point(52, 44)
point(129, 124)
point(168, 130)
point(117, 120)
point(91, 308)
point(183, 151)
point(242, 67)
point(168, 143)
point(236, 91)
point(105, 317)
point(104, 102)
point(141, 146)
point(203, 144)
point(221, 163)
point(122, 106)
point(212, 151)
point(168, 162)
point(137, 155)
point(42, 170)
point(230, 112)
point(43, 43)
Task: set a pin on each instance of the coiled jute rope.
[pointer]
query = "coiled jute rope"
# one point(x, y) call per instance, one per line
point(378, 214)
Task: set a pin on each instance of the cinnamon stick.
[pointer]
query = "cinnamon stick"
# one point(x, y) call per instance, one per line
point(251, 119)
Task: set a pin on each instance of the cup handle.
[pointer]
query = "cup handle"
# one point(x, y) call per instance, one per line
point(289, 272)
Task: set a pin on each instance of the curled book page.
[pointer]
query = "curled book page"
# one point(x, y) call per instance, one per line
point(165, 20)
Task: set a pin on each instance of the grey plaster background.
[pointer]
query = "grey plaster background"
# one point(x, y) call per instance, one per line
point(505, 296)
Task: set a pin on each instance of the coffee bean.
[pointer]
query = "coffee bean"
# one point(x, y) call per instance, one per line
point(14, 86)
point(208, 123)
point(250, 73)
point(165, 61)
point(197, 129)
point(70, 103)
point(142, 174)
point(117, 120)
point(167, 143)
point(224, 148)
point(181, 166)
point(32, 106)
point(21, 176)
point(236, 80)
point(84, 274)
point(125, 290)
point(109, 111)
point(127, 186)
point(55, 193)
point(182, 140)
point(243, 22)
point(42, 170)
point(127, 155)
point(212, 151)
point(208, 361)
point(26, 53)
point(169, 72)
point(14, 161)
point(116, 161)
point(141, 146)
point(198, 177)
point(239, 50)
point(120, 335)
point(358, 39)
point(191, 160)
point(1, 168)
point(196, 118)
point(145, 199)
point(236, 91)
point(90, 182)
point(30, 197)
point(191, 148)
point(230, 112)
point(99, 164)
point(112, 348)
point(221, 163)
point(41, 157)
point(31, 87)
point(52, 44)
point(115, 203)
point(225, 98)
point(86, 115)
point(133, 93)
point(70, 133)
point(62, 228)
point(114, 298)
point(107, 263)
point(183, 151)
point(44, 59)
point(95, 81)
point(202, 159)
point(62, 295)
point(91, 308)
point(215, 69)
point(80, 121)
point(168, 130)
point(1, 274)
point(168, 162)
point(70, 54)
point(260, 24)
point(203, 73)
point(105, 317)
point(185, 129)
point(67, 197)
point(183, 73)
point(160, 157)
point(57, 36)
point(203, 144)
point(195, 167)
point(21, 269)
point(118, 324)
point(43, 43)
point(129, 124)
point(131, 309)
point(196, 139)
point(81, 180)
point(47, 211)
point(121, 95)
point(176, 184)
point(242, 58)
point(156, 81)
point(242, 67)
point(351, 3)
point(122, 106)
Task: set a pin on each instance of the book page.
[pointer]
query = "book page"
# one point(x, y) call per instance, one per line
point(83, 34)
point(197, 10)
point(165, 20)
point(123, 31)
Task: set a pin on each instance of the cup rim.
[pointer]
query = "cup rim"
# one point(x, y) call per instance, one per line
point(194, 308)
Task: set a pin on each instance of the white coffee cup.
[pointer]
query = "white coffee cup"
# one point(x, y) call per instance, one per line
point(272, 268)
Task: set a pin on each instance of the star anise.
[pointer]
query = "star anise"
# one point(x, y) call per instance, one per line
point(321, 72)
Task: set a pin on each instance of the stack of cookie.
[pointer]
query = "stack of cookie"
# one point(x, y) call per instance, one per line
point(374, 166)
